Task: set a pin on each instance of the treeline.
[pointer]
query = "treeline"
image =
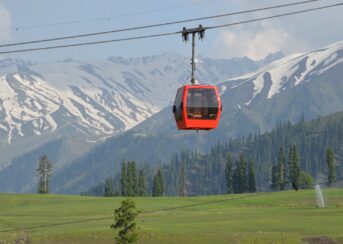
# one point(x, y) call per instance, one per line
point(188, 174)
point(130, 182)
point(288, 154)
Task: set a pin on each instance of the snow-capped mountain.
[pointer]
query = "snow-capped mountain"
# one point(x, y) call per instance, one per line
point(98, 99)
point(94, 99)
point(290, 72)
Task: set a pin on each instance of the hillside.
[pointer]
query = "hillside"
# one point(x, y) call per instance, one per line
point(205, 173)
point(284, 217)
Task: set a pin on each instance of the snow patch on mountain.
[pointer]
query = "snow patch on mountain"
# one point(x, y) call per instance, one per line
point(98, 98)
point(291, 71)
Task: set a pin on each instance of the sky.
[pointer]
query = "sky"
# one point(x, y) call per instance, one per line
point(39, 19)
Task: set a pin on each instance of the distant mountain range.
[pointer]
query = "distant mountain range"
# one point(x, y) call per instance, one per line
point(302, 85)
point(299, 86)
point(94, 100)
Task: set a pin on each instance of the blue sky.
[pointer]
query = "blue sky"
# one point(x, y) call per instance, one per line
point(291, 34)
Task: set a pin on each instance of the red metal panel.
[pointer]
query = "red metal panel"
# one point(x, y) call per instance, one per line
point(198, 124)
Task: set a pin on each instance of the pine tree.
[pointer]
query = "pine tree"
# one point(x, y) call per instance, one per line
point(155, 186)
point(132, 182)
point(251, 177)
point(242, 174)
point(274, 185)
point(330, 161)
point(281, 170)
point(108, 191)
point(158, 184)
point(124, 225)
point(294, 167)
point(229, 175)
point(135, 188)
point(161, 182)
point(236, 178)
point(44, 172)
point(182, 187)
point(141, 184)
point(123, 180)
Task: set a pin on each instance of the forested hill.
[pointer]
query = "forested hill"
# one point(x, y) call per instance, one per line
point(205, 174)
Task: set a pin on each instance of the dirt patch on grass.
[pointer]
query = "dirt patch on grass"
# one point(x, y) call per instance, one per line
point(319, 240)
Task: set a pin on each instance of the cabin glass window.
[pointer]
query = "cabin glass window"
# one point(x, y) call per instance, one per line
point(202, 104)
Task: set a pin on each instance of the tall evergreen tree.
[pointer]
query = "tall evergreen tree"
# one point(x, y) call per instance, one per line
point(135, 188)
point(251, 177)
point(44, 172)
point(158, 184)
point(242, 174)
point(281, 170)
point(129, 184)
point(161, 179)
point(182, 186)
point(330, 161)
point(236, 178)
point(123, 179)
point(229, 174)
point(294, 167)
point(155, 186)
point(108, 191)
point(141, 184)
point(274, 185)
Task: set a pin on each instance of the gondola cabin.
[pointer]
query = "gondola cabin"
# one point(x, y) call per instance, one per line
point(197, 107)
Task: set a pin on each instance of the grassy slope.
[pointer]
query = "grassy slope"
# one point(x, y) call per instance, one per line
point(284, 217)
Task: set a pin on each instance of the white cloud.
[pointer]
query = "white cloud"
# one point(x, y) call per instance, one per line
point(5, 23)
point(253, 44)
point(292, 34)
point(257, 41)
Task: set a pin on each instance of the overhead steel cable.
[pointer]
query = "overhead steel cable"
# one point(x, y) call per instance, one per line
point(93, 43)
point(108, 18)
point(159, 24)
point(274, 16)
point(172, 33)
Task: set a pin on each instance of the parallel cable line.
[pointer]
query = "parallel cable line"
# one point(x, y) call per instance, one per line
point(158, 25)
point(93, 43)
point(106, 18)
point(275, 16)
point(173, 33)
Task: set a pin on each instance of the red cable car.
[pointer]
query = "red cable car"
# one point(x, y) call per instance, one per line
point(197, 107)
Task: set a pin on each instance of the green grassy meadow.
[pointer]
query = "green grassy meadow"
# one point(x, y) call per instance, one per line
point(283, 217)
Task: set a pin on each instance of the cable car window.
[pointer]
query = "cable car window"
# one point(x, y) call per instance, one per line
point(178, 105)
point(202, 104)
